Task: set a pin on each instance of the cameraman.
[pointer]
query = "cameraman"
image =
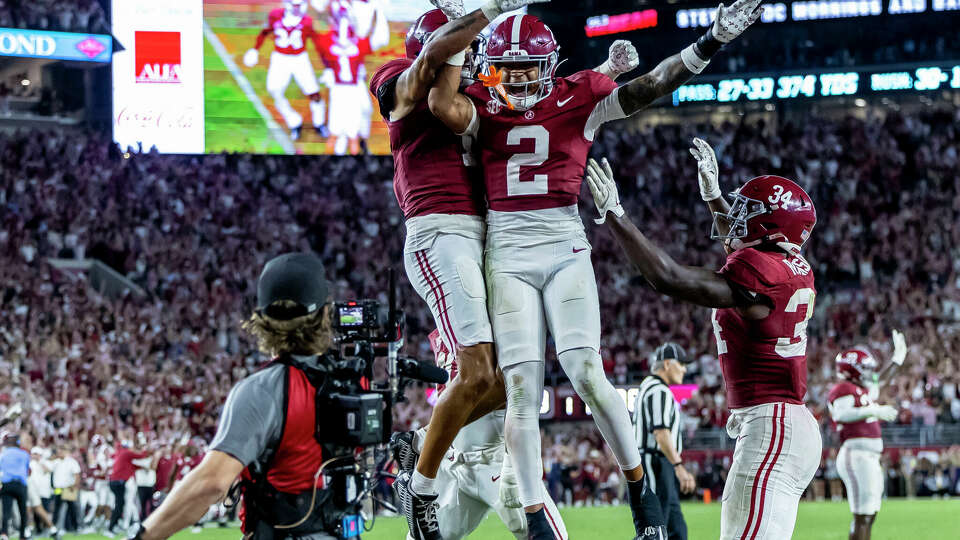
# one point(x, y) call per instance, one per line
point(266, 430)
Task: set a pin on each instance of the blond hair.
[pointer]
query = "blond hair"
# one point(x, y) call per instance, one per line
point(309, 334)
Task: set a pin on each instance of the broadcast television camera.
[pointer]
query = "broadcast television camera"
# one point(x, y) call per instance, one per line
point(357, 409)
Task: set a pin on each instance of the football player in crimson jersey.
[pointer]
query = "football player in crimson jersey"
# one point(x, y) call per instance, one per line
point(442, 206)
point(857, 415)
point(534, 131)
point(762, 298)
point(291, 27)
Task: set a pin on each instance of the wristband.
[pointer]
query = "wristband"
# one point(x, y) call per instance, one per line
point(708, 45)
point(491, 10)
point(677, 464)
point(457, 59)
point(692, 61)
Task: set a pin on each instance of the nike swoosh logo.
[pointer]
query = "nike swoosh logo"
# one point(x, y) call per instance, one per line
point(575, 250)
point(564, 102)
point(495, 478)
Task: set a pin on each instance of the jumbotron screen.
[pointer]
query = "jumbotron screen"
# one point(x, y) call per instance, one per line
point(257, 76)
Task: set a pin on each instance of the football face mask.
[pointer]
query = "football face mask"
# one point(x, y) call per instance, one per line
point(737, 219)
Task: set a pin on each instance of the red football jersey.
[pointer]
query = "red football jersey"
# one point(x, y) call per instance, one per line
point(430, 173)
point(765, 360)
point(868, 428)
point(290, 39)
point(535, 159)
point(343, 56)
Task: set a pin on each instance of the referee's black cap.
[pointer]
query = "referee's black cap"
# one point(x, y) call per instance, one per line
point(298, 277)
point(670, 351)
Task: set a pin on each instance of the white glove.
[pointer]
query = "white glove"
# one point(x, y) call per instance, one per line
point(509, 491)
point(732, 21)
point(604, 189)
point(899, 348)
point(495, 8)
point(453, 9)
point(706, 169)
point(13, 411)
point(251, 57)
point(886, 413)
point(328, 78)
point(623, 57)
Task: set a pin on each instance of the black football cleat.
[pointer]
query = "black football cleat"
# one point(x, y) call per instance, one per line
point(420, 510)
point(323, 131)
point(653, 533)
point(403, 450)
point(295, 133)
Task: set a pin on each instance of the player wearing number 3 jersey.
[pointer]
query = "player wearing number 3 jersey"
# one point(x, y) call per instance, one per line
point(762, 298)
point(533, 131)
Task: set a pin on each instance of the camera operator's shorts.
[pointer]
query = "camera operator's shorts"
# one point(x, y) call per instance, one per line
point(443, 257)
point(33, 493)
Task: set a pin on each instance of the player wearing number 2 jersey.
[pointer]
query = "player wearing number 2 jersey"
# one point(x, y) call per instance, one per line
point(534, 131)
point(291, 27)
point(762, 299)
point(442, 253)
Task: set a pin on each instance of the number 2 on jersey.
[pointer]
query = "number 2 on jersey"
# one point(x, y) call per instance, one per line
point(541, 150)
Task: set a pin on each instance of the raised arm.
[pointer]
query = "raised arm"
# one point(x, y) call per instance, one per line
point(899, 355)
point(669, 74)
point(701, 286)
point(446, 46)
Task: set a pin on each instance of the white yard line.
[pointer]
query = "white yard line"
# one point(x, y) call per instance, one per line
point(278, 132)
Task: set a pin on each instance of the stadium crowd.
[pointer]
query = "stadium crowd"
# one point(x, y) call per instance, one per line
point(56, 15)
point(193, 231)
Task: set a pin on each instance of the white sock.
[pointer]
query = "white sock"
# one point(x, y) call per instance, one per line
point(584, 368)
point(421, 485)
point(419, 436)
point(318, 112)
point(291, 117)
point(522, 428)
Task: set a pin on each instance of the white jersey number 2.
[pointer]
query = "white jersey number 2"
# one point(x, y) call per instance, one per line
point(541, 150)
point(786, 347)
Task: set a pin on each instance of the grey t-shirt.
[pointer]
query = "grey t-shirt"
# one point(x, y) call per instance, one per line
point(252, 418)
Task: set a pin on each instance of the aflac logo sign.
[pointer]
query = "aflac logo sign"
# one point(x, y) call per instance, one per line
point(58, 45)
point(158, 57)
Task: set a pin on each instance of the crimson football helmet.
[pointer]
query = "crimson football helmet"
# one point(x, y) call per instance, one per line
point(295, 8)
point(854, 363)
point(768, 209)
point(524, 39)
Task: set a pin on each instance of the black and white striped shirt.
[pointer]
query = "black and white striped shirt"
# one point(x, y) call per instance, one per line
point(655, 408)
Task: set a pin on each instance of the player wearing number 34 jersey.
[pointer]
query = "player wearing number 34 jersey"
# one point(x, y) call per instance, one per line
point(762, 299)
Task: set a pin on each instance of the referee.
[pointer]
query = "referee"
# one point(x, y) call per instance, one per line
point(656, 422)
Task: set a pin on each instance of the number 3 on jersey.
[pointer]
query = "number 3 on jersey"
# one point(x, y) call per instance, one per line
point(541, 150)
point(786, 346)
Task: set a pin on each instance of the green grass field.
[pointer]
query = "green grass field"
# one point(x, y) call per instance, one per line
point(898, 520)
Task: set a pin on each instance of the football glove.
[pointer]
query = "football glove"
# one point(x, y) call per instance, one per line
point(886, 413)
point(732, 21)
point(706, 169)
point(899, 348)
point(251, 58)
point(495, 8)
point(13, 412)
point(453, 9)
point(604, 189)
point(623, 58)
point(509, 491)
